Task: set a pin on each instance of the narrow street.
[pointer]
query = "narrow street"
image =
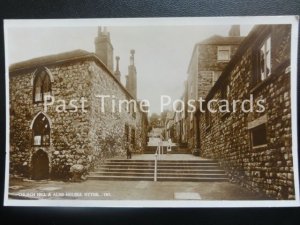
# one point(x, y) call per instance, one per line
point(132, 190)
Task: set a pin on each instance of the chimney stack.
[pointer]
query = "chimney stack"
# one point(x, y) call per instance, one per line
point(131, 79)
point(234, 31)
point(104, 48)
point(117, 72)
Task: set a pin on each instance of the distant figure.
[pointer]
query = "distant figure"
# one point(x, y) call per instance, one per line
point(129, 151)
point(169, 148)
point(161, 137)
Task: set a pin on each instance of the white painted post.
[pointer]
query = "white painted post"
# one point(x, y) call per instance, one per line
point(155, 168)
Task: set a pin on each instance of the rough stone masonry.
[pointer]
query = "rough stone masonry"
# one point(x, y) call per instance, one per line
point(255, 148)
point(69, 141)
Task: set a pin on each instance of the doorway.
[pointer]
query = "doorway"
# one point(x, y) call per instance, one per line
point(40, 165)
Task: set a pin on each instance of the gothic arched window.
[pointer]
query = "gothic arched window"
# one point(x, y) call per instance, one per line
point(41, 86)
point(41, 131)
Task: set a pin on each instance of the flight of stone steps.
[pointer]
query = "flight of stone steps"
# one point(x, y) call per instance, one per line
point(168, 170)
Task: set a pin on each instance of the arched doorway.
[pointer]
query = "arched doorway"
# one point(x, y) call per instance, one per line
point(40, 165)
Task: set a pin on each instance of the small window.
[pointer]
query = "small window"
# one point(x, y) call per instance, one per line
point(262, 61)
point(133, 137)
point(41, 86)
point(223, 53)
point(225, 100)
point(259, 135)
point(41, 131)
point(225, 92)
point(265, 59)
point(207, 118)
point(126, 133)
point(216, 75)
point(133, 112)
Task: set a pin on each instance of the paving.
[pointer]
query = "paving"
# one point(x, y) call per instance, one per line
point(129, 190)
point(133, 189)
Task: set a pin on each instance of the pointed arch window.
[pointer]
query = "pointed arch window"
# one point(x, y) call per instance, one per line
point(41, 131)
point(41, 86)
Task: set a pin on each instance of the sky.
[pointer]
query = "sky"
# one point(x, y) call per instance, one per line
point(162, 53)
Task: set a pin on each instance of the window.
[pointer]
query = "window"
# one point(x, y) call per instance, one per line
point(224, 103)
point(133, 137)
point(259, 135)
point(225, 92)
point(207, 118)
point(223, 53)
point(132, 107)
point(126, 133)
point(41, 131)
point(262, 59)
point(215, 77)
point(265, 59)
point(41, 86)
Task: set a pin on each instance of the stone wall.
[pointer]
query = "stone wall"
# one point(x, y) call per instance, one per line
point(203, 71)
point(108, 128)
point(76, 138)
point(65, 148)
point(267, 168)
point(209, 66)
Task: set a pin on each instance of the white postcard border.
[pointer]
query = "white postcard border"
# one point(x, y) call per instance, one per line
point(176, 21)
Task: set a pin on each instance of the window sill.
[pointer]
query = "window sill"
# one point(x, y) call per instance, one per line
point(259, 146)
point(261, 84)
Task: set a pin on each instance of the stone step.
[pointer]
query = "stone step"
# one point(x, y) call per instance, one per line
point(167, 170)
point(159, 167)
point(159, 178)
point(162, 161)
point(160, 170)
point(159, 164)
point(199, 175)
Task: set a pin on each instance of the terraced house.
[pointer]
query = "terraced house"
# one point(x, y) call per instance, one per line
point(72, 133)
point(209, 58)
point(255, 147)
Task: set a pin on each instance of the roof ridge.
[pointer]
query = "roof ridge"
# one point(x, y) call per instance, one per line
point(48, 59)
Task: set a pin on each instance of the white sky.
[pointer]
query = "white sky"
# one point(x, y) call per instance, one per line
point(162, 53)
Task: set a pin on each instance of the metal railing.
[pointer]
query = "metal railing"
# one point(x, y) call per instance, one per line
point(158, 153)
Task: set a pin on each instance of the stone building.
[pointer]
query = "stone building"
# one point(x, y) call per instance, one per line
point(255, 147)
point(74, 131)
point(169, 126)
point(209, 58)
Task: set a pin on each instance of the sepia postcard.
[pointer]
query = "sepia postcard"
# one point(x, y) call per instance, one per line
point(152, 112)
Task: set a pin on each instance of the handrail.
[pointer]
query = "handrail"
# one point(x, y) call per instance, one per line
point(155, 168)
point(157, 157)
